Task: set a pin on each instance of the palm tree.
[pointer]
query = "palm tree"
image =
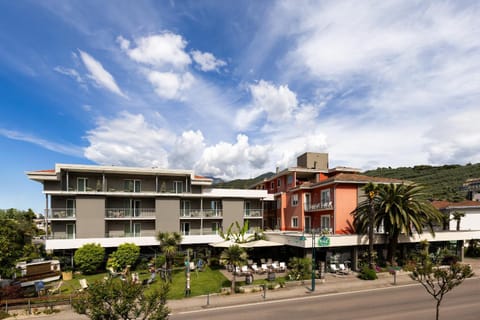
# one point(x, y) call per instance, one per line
point(458, 215)
point(169, 243)
point(234, 256)
point(401, 209)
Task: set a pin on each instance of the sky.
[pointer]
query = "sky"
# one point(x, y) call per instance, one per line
point(234, 89)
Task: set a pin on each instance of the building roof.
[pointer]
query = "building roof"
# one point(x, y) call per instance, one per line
point(442, 204)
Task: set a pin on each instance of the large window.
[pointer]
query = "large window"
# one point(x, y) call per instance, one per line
point(186, 206)
point(82, 184)
point(132, 185)
point(133, 230)
point(295, 222)
point(70, 207)
point(326, 200)
point(294, 199)
point(325, 223)
point(178, 186)
point(215, 227)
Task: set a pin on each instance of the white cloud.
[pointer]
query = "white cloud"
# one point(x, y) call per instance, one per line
point(128, 140)
point(161, 50)
point(278, 102)
point(101, 76)
point(49, 145)
point(170, 85)
point(187, 150)
point(69, 72)
point(207, 61)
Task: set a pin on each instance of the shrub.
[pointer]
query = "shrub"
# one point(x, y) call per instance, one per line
point(299, 268)
point(89, 257)
point(126, 255)
point(367, 274)
point(214, 263)
point(160, 261)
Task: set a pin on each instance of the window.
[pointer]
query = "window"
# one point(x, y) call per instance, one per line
point(82, 184)
point(133, 230)
point(132, 185)
point(325, 200)
point(247, 208)
point(289, 179)
point(70, 231)
point(295, 222)
point(294, 200)
point(279, 182)
point(308, 223)
point(325, 222)
point(215, 227)
point(178, 186)
point(185, 228)
point(272, 185)
point(70, 207)
point(186, 206)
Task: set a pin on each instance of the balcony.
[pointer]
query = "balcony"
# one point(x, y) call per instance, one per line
point(318, 206)
point(129, 213)
point(201, 213)
point(61, 213)
point(253, 213)
point(142, 233)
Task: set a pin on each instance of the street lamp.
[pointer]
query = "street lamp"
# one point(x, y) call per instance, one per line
point(313, 260)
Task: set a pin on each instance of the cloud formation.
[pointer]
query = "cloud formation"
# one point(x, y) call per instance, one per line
point(207, 61)
point(101, 76)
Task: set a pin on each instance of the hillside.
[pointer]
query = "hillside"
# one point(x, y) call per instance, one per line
point(242, 183)
point(441, 182)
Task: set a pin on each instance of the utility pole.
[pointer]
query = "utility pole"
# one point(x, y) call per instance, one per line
point(313, 260)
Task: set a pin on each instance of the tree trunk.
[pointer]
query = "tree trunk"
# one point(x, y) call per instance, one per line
point(437, 313)
point(458, 224)
point(371, 216)
point(392, 248)
point(234, 279)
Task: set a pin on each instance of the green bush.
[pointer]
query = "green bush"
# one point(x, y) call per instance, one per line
point(126, 255)
point(214, 263)
point(160, 261)
point(367, 274)
point(299, 268)
point(89, 257)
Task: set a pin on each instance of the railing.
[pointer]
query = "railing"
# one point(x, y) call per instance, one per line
point(253, 213)
point(199, 213)
point(198, 232)
point(318, 206)
point(61, 213)
point(142, 233)
point(129, 212)
point(61, 236)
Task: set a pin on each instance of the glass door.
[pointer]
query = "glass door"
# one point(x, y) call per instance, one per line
point(185, 228)
point(70, 231)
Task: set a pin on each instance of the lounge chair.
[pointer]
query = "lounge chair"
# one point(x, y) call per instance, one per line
point(244, 270)
point(343, 269)
point(333, 268)
point(282, 266)
point(256, 269)
point(275, 266)
point(264, 267)
point(56, 288)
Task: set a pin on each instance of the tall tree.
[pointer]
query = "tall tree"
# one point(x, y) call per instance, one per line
point(438, 280)
point(169, 244)
point(234, 256)
point(457, 216)
point(400, 209)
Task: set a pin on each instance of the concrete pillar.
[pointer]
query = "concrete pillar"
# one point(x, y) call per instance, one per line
point(355, 258)
point(461, 249)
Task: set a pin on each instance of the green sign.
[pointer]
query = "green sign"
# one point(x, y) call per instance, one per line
point(323, 241)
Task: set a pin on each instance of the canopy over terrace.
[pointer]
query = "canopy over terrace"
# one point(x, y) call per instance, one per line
point(251, 244)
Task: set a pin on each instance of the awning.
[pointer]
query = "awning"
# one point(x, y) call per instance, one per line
point(251, 244)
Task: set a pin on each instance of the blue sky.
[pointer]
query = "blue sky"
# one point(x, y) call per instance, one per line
point(233, 89)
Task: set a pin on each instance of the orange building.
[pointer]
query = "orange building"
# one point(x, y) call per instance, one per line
point(313, 196)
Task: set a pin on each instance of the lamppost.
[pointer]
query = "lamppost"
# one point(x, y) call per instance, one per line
point(313, 260)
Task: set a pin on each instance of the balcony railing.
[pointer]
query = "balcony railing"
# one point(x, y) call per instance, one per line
point(129, 212)
point(253, 213)
point(318, 206)
point(198, 232)
point(201, 213)
point(61, 213)
point(142, 233)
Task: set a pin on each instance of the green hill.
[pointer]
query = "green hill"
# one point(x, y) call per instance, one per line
point(242, 183)
point(441, 182)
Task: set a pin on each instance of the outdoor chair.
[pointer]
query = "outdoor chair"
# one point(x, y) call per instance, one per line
point(244, 270)
point(83, 285)
point(343, 269)
point(262, 260)
point(264, 267)
point(275, 266)
point(256, 269)
point(282, 266)
point(56, 288)
point(333, 268)
point(192, 266)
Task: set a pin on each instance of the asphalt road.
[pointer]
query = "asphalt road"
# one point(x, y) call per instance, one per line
point(406, 302)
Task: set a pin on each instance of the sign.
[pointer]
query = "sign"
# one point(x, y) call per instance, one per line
point(323, 241)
